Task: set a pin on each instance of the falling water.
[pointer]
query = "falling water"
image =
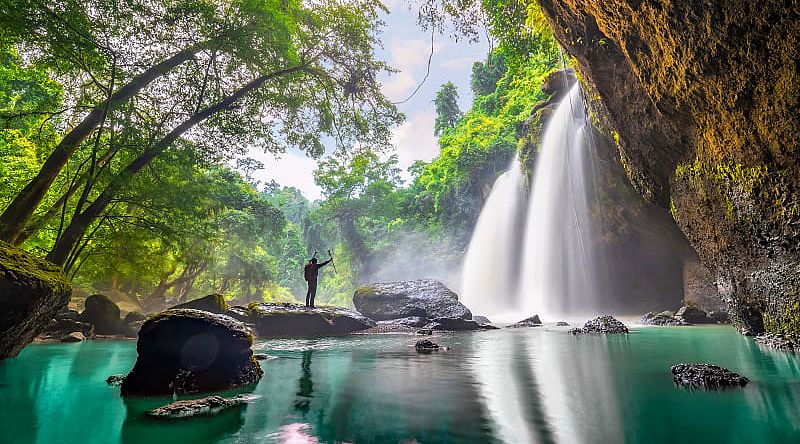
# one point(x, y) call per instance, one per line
point(486, 285)
point(557, 277)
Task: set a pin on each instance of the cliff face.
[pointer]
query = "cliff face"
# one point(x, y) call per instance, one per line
point(702, 100)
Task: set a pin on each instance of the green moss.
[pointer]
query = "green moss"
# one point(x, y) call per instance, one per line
point(31, 270)
point(787, 321)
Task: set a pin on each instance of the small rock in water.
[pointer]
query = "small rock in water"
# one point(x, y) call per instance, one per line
point(75, 336)
point(706, 376)
point(601, 325)
point(562, 324)
point(425, 331)
point(456, 324)
point(210, 405)
point(481, 319)
point(426, 345)
point(744, 331)
point(115, 379)
point(777, 341)
point(663, 318)
point(263, 357)
point(532, 321)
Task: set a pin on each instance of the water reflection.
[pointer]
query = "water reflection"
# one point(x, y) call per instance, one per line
point(306, 385)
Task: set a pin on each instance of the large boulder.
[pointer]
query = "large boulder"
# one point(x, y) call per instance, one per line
point(532, 321)
point(706, 376)
point(424, 298)
point(32, 292)
point(605, 324)
point(663, 318)
point(694, 315)
point(191, 351)
point(286, 319)
point(104, 314)
point(214, 303)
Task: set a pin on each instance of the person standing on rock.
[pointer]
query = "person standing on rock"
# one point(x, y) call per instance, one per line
point(311, 272)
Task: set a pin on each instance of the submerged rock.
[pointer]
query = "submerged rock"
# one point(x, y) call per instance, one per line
point(115, 380)
point(663, 318)
point(394, 300)
point(75, 336)
point(32, 292)
point(706, 376)
point(426, 345)
point(601, 325)
point(456, 324)
point(104, 314)
point(777, 341)
point(694, 315)
point(191, 351)
point(562, 324)
point(213, 303)
point(198, 407)
point(298, 320)
point(532, 321)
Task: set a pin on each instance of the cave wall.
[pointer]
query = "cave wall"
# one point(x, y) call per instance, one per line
point(702, 100)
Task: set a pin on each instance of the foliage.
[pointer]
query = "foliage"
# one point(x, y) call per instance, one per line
point(447, 111)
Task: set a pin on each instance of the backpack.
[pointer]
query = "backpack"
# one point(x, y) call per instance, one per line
point(310, 272)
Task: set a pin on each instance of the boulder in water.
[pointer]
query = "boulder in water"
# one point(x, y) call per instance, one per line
point(456, 324)
point(214, 303)
point(298, 320)
point(104, 314)
point(481, 319)
point(532, 321)
point(191, 351)
point(426, 345)
point(189, 408)
point(115, 380)
point(662, 318)
point(694, 315)
point(411, 321)
point(394, 300)
point(601, 325)
point(562, 324)
point(720, 316)
point(133, 322)
point(32, 292)
point(706, 376)
point(75, 336)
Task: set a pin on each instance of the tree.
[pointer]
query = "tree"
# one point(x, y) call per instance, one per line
point(485, 75)
point(447, 111)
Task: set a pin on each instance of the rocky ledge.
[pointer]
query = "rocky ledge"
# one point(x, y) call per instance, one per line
point(706, 376)
point(191, 351)
point(664, 318)
point(777, 341)
point(32, 292)
point(424, 298)
point(198, 407)
point(277, 320)
point(601, 325)
point(532, 321)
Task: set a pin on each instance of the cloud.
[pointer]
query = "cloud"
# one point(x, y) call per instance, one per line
point(293, 169)
point(458, 64)
point(414, 139)
point(410, 58)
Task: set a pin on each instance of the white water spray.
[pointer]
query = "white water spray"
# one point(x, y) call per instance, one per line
point(557, 277)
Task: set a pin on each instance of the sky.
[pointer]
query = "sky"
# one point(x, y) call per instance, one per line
point(406, 48)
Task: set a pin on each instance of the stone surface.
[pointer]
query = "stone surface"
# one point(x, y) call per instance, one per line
point(115, 380)
point(190, 408)
point(705, 129)
point(191, 351)
point(662, 318)
point(104, 314)
point(411, 321)
point(426, 345)
point(532, 321)
point(214, 303)
point(32, 292)
point(706, 376)
point(777, 341)
point(393, 300)
point(298, 320)
point(62, 327)
point(562, 324)
point(694, 315)
point(75, 336)
point(481, 319)
point(601, 325)
point(456, 324)
point(133, 322)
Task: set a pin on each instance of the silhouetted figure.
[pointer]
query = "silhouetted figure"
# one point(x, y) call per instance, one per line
point(311, 272)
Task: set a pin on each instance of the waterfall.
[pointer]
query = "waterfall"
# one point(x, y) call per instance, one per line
point(555, 275)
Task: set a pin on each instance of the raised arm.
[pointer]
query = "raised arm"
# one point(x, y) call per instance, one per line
point(322, 264)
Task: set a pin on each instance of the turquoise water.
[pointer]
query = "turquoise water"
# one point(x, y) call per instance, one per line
point(532, 385)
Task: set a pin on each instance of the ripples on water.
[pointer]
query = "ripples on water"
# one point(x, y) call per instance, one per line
point(517, 386)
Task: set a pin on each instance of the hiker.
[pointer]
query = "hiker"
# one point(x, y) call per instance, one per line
point(310, 274)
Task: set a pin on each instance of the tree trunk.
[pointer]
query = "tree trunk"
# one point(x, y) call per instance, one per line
point(80, 223)
point(20, 210)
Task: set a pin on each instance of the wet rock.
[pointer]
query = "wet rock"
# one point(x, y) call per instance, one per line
point(75, 336)
point(191, 351)
point(104, 314)
point(425, 331)
point(601, 325)
point(706, 376)
point(198, 407)
point(32, 292)
point(426, 345)
point(694, 315)
point(562, 324)
point(213, 303)
point(777, 341)
point(411, 321)
point(481, 319)
point(115, 380)
point(744, 331)
point(63, 327)
point(68, 314)
point(456, 324)
point(238, 312)
point(720, 317)
point(394, 300)
point(133, 322)
point(285, 319)
point(263, 357)
point(532, 321)
point(663, 318)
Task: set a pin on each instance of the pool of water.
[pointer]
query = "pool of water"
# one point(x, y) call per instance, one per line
point(528, 385)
